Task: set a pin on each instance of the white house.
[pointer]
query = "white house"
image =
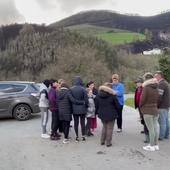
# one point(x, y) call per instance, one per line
point(155, 51)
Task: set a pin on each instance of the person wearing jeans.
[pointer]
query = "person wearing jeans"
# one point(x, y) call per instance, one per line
point(152, 124)
point(163, 105)
point(148, 106)
point(44, 106)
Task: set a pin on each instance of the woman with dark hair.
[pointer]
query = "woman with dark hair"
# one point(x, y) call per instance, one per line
point(44, 105)
point(53, 100)
point(93, 119)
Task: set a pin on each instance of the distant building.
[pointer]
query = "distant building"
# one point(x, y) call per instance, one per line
point(155, 51)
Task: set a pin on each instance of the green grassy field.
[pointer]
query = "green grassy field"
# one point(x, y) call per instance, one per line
point(121, 37)
point(114, 36)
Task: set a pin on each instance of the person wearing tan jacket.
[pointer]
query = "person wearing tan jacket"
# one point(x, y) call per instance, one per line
point(149, 108)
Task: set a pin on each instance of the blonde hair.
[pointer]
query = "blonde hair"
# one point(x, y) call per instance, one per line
point(115, 76)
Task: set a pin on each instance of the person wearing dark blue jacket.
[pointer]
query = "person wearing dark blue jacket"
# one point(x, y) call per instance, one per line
point(79, 93)
point(120, 90)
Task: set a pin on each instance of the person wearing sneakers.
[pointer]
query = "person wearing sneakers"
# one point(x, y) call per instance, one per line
point(107, 107)
point(120, 90)
point(65, 110)
point(78, 92)
point(149, 108)
point(44, 106)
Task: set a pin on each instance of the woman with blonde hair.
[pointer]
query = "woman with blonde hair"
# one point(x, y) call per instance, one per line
point(107, 108)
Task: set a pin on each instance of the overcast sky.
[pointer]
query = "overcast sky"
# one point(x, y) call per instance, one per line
point(49, 11)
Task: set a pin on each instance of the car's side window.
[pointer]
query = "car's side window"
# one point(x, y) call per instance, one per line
point(5, 88)
point(9, 88)
point(18, 88)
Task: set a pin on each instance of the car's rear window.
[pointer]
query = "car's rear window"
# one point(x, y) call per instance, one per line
point(11, 88)
point(35, 87)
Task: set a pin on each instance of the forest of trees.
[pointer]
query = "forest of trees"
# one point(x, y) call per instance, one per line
point(35, 55)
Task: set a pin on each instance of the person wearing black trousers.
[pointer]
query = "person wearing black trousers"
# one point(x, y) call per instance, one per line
point(53, 105)
point(79, 93)
point(65, 110)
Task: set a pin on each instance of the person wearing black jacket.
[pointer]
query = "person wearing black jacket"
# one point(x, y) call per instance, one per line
point(65, 110)
point(107, 107)
point(79, 93)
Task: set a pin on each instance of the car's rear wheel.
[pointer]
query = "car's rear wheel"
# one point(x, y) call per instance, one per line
point(22, 112)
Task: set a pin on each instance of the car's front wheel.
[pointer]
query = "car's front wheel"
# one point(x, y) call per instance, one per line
point(22, 112)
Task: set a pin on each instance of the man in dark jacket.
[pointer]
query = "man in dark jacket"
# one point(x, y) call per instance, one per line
point(107, 107)
point(163, 105)
point(79, 93)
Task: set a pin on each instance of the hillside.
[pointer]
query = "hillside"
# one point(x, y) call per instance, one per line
point(10, 32)
point(37, 55)
point(115, 20)
point(113, 36)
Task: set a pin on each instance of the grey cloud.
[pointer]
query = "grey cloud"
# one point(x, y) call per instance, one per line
point(69, 6)
point(9, 13)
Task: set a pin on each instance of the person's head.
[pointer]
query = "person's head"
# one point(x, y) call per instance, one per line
point(90, 84)
point(158, 75)
point(64, 85)
point(139, 82)
point(53, 83)
point(77, 81)
point(115, 78)
point(46, 82)
point(60, 82)
point(89, 92)
point(147, 76)
point(108, 84)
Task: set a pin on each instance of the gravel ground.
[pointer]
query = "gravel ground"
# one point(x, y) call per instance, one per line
point(21, 148)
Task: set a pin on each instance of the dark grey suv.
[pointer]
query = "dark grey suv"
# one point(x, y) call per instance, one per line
point(18, 99)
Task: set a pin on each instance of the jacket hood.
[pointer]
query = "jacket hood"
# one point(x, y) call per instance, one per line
point(105, 91)
point(77, 81)
point(62, 93)
point(151, 83)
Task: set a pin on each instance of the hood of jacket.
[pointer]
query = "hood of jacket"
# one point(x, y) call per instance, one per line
point(63, 91)
point(153, 83)
point(77, 81)
point(105, 91)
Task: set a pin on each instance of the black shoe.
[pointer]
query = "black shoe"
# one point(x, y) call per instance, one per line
point(145, 141)
point(77, 139)
point(83, 138)
point(91, 134)
point(160, 139)
point(142, 131)
point(109, 145)
point(102, 143)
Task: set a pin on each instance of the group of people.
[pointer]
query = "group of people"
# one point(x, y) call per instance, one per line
point(83, 104)
point(152, 98)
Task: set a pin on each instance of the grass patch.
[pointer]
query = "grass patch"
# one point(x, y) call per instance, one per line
point(130, 102)
point(121, 37)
